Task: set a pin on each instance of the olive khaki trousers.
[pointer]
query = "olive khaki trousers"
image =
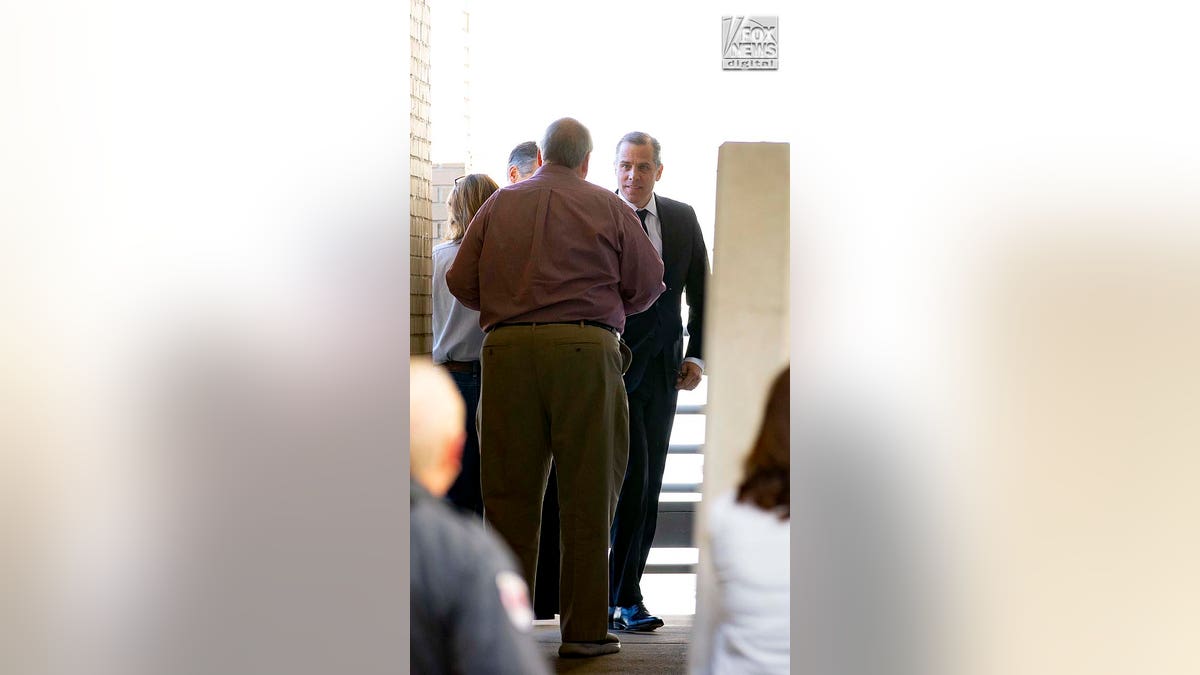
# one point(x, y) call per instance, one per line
point(555, 391)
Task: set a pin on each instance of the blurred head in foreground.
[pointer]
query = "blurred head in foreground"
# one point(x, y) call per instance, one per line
point(436, 431)
point(766, 483)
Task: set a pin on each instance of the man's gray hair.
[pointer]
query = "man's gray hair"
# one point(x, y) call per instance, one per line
point(524, 156)
point(567, 142)
point(642, 138)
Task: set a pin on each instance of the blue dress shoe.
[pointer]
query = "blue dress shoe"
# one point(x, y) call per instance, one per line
point(634, 618)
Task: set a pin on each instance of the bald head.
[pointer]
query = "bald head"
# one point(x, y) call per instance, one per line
point(567, 143)
point(436, 416)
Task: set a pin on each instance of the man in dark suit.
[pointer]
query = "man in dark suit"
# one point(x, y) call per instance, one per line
point(659, 370)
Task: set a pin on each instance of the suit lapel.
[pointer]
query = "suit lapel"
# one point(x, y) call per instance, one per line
point(670, 246)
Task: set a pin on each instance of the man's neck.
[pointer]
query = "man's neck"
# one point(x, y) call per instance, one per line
point(643, 206)
point(578, 171)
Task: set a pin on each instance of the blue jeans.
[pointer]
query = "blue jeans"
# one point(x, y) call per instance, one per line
point(466, 493)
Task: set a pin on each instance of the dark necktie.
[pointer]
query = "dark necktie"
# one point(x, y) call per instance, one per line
point(642, 217)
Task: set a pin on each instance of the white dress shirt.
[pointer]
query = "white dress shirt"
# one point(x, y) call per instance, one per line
point(653, 224)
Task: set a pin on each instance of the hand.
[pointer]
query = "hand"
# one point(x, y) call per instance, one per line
point(689, 376)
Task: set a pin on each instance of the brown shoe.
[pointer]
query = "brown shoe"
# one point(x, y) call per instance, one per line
point(609, 645)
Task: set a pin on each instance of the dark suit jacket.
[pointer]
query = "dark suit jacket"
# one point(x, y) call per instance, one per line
point(685, 270)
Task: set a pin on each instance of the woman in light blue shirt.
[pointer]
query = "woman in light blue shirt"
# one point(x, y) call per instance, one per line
point(457, 337)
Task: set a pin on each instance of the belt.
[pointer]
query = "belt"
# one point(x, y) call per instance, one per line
point(581, 322)
point(461, 366)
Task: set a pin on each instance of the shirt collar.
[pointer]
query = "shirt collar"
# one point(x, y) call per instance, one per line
point(651, 206)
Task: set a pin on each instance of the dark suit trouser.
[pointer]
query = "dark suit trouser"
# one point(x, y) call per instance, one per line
point(556, 391)
point(545, 601)
point(651, 416)
point(465, 492)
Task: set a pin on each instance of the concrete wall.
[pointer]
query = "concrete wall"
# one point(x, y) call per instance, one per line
point(1089, 474)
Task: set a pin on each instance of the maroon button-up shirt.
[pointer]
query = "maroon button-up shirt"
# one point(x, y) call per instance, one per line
point(555, 247)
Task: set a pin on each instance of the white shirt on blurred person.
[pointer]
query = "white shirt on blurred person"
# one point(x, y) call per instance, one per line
point(748, 628)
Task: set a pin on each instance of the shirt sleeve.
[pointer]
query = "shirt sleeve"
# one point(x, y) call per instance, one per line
point(641, 266)
point(463, 276)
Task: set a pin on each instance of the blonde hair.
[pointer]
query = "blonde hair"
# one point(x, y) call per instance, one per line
point(469, 193)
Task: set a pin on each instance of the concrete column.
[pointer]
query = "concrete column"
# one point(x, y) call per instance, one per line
point(746, 326)
point(746, 329)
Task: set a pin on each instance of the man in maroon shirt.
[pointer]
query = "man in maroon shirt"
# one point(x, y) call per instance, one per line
point(554, 264)
point(523, 161)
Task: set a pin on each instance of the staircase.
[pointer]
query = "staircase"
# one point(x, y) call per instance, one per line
point(680, 495)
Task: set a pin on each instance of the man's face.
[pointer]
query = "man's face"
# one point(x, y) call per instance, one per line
point(637, 172)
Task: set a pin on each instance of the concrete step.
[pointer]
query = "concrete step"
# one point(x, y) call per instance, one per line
point(686, 449)
point(681, 487)
point(676, 521)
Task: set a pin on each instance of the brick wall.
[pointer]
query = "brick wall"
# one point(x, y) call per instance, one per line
point(421, 168)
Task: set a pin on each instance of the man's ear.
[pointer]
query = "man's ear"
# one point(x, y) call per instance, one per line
point(658, 174)
point(538, 163)
point(513, 174)
point(583, 168)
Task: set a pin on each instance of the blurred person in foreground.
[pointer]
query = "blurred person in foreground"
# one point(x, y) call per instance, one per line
point(523, 161)
point(747, 537)
point(554, 264)
point(470, 608)
point(457, 337)
point(659, 370)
